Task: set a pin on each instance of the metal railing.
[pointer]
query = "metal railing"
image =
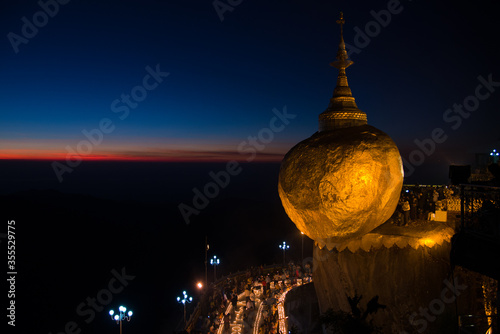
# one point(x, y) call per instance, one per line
point(480, 207)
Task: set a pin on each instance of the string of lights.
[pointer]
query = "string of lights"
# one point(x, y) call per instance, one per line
point(281, 312)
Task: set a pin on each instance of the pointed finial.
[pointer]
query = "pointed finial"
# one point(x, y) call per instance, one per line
point(343, 60)
point(342, 110)
point(341, 22)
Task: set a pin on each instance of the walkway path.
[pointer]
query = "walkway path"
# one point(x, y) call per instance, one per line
point(254, 320)
point(239, 324)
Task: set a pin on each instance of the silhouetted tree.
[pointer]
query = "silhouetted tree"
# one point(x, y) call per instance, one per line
point(341, 322)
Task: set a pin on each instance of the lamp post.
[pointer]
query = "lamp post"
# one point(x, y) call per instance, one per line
point(121, 316)
point(284, 247)
point(494, 156)
point(302, 236)
point(185, 299)
point(206, 261)
point(215, 262)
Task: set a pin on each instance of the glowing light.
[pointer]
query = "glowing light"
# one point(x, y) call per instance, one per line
point(281, 312)
point(258, 319)
point(347, 115)
point(199, 285)
point(487, 303)
point(142, 154)
point(284, 246)
point(228, 310)
point(185, 298)
point(495, 155)
point(428, 242)
point(121, 316)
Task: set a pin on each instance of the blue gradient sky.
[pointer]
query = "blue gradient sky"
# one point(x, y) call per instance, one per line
point(227, 76)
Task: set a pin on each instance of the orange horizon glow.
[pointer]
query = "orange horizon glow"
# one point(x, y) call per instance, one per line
point(175, 156)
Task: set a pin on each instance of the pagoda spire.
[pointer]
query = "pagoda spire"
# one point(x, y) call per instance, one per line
point(343, 60)
point(342, 111)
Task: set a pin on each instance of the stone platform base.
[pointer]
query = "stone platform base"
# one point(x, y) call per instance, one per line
point(408, 268)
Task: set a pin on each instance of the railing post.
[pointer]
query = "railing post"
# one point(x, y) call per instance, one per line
point(462, 206)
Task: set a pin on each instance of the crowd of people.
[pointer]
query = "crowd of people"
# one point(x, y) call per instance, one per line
point(421, 203)
point(237, 298)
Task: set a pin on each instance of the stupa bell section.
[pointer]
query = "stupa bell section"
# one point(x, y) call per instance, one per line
point(342, 112)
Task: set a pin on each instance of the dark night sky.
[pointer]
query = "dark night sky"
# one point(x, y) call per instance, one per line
point(225, 79)
point(227, 76)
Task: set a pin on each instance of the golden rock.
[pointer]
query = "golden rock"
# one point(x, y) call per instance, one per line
point(338, 185)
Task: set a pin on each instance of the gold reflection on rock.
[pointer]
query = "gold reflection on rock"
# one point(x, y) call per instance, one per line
point(388, 235)
point(341, 184)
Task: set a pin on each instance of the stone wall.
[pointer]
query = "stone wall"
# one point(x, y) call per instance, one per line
point(417, 286)
point(301, 307)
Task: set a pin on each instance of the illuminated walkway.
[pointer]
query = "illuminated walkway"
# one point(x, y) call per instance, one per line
point(239, 326)
point(281, 313)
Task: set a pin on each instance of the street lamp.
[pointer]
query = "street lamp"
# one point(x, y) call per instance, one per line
point(185, 299)
point(302, 236)
point(284, 247)
point(206, 250)
point(494, 156)
point(123, 315)
point(215, 262)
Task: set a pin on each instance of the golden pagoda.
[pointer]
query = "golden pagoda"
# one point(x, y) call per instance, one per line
point(344, 180)
point(342, 111)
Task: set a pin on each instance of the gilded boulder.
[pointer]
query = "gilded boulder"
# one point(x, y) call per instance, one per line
point(341, 184)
